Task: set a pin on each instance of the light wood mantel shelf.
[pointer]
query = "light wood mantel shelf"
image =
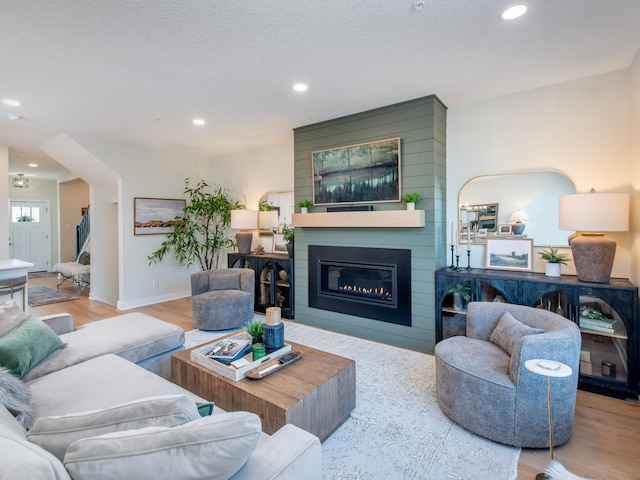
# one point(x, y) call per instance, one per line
point(376, 219)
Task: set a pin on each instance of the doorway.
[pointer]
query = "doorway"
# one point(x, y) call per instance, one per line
point(30, 233)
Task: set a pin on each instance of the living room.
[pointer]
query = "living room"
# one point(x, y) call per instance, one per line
point(584, 126)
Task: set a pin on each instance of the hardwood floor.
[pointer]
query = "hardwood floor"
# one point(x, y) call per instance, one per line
point(605, 441)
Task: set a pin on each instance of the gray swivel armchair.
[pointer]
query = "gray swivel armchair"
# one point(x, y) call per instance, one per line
point(482, 383)
point(222, 298)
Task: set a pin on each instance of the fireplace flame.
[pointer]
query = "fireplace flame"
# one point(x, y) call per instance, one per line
point(377, 293)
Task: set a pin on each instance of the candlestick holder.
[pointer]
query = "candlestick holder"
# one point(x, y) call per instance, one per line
point(457, 269)
point(468, 260)
point(452, 266)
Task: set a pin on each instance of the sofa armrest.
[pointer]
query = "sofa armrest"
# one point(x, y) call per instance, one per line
point(59, 322)
point(289, 454)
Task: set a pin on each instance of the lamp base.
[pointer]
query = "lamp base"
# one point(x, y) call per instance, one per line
point(593, 255)
point(244, 239)
point(517, 228)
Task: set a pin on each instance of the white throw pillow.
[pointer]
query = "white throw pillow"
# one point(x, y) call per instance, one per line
point(11, 315)
point(55, 434)
point(212, 448)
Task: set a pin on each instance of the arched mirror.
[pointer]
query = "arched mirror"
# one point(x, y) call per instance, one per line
point(493, 204)
point(282, 202)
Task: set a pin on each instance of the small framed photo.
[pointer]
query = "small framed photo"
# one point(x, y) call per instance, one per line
point(504, 229)
point(482, 232)
point(509, 254)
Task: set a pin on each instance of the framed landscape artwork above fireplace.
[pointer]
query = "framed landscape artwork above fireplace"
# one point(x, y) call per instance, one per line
point(361, 173)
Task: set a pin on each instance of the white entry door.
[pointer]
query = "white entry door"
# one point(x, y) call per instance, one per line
point(30, 233)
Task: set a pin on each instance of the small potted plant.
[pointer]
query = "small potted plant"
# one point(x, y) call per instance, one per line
point(554, 260)
point(411, 199)
point(461, 295)
point(304, 205)
point(254, 330)
point(288, 233)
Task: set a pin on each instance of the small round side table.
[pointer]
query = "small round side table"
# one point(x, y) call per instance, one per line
point(548, 368)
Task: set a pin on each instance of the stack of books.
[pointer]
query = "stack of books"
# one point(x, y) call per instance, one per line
point(593, 319)
point(228, 350)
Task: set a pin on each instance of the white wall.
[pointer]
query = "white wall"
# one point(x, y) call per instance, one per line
point(74, 195)
point(4, 195)
point(581, 128)
point(104, 247)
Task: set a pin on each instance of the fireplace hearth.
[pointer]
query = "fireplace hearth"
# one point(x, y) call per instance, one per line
point(372, 283)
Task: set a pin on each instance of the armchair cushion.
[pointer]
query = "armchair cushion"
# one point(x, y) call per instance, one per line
point(226, 281)
point(508, 331)
point(55, 434)
point(213, 447)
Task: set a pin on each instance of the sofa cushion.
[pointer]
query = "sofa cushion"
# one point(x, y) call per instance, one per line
point(509, 330)
point(15, 396)
point(210, 448)
point(27, 345)
point(90, 385)
point(133, 336)
point(20, 458)
point(56, 433)
point(11, 315)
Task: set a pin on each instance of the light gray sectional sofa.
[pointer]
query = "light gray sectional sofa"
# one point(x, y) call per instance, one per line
point(97, 385)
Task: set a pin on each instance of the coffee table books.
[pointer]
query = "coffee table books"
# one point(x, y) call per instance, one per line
point(199, 356)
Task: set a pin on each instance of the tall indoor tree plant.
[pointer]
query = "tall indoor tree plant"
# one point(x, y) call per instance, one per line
point(200, 235)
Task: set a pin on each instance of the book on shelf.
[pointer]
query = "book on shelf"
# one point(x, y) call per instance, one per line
point(229, 350)
point(598, 323)
point(597, 328)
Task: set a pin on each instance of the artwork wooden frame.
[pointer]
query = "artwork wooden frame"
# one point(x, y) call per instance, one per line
point(361, 173)
point(509, 254)
point(156, 216)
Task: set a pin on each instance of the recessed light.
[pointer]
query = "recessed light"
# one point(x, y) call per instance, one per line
point(198, 121)
point(33, 165)
point(514, 12)
point(300, 87)
point(11, 103)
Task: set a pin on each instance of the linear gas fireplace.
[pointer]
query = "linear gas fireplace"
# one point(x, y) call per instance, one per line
point(364, 282)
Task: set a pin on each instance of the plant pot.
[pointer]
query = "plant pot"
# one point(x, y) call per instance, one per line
point(304, 210)
point(552, 269)
point(290, 249)
point(411, 206)
point(458, 301)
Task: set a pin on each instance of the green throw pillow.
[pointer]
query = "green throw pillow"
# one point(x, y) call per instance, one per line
point(27, 345)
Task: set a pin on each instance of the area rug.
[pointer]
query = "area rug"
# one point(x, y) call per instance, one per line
point(397, 429)
point(44, 296)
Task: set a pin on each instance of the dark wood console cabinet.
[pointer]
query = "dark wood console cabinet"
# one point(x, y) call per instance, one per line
point(609, 361)
point(274, 280)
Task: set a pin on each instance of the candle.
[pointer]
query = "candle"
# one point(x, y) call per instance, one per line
point(452, 241)
point(273, 316)
point(468, 242)
point(456, 247)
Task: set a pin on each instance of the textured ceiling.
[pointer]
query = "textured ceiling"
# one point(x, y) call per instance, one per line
point(139, 71)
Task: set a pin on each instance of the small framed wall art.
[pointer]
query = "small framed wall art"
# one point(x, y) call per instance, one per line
point(156, 216)
point(504, 229)
point(509, 254)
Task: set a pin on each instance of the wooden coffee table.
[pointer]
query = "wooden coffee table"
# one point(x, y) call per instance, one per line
point(316, 393)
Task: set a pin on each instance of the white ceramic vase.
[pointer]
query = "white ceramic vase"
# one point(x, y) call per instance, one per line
point(552, 269)
point(411, 206)
point(304, 210)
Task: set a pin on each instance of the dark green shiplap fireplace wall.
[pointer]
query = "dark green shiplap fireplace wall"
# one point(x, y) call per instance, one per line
point(421, 126)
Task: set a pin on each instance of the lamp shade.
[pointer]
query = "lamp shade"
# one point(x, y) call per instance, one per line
point(244, 219)
point(268, 219)
point(595, 212)
point(519, 216)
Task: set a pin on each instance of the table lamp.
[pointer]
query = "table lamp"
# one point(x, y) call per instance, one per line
point(244, 220)
point(518, 217)
point(593, 213)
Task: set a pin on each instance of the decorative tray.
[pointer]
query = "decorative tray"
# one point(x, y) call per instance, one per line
point(272, 366)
